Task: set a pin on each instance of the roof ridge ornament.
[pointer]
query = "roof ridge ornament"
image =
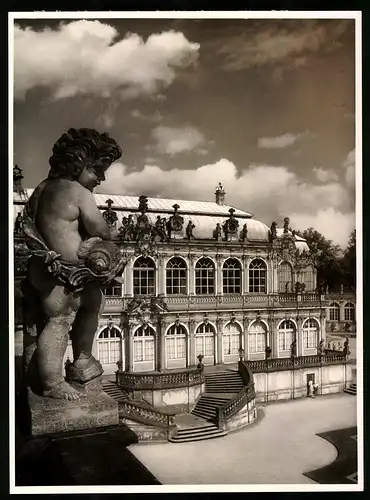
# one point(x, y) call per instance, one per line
point(109, 215)
point(175, 223)
point(230, 226)
point(220, 194)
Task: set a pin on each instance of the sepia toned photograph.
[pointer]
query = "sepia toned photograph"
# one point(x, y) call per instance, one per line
point(185, 287)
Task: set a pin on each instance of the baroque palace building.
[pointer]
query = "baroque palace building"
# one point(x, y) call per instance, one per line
point(214, 313)
point(202, 278)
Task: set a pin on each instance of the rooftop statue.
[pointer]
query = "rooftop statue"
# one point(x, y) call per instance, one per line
point(72, 257)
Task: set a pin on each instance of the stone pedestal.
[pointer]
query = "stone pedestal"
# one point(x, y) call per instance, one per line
point(54, 416)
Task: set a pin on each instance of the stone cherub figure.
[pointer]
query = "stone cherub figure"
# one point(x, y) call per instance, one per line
point(71, 259)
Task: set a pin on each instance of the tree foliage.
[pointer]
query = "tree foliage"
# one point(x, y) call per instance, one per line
point(334, 267)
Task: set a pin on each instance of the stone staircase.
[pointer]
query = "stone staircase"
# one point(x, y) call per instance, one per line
point(112, 389)
point(224, 382)
point(352, 389)
point(206, 405)
point(206, 431)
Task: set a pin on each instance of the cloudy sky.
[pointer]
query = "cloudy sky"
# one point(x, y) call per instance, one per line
point(264, 106)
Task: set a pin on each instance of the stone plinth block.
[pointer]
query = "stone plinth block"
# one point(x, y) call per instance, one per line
point(53, 416)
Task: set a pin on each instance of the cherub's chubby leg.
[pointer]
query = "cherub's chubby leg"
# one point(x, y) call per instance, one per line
point(83, 333)
point(60, 306)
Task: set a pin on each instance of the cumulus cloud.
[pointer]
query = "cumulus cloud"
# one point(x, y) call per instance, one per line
point(276, 43)
point(333, 224)
point(350, 168)
point(270, 192)
point(175, 140)
point(280, 141)
point(86, 57)
point(323, 175)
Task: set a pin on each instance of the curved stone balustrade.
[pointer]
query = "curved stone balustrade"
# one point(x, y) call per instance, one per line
point(172, 380)
point(146, 415)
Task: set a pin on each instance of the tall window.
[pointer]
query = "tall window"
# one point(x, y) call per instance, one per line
point(308, 279)
point(144, 276)
point(334, 312)
point(231, 339)
point(113, 290)
point(257, 337)
point(310, 331)
point(231, 274)
point(205, 339)
point(285, 277)
point(349, 312)
point(176, 277)
point(109, 345)
point(144, 344)
point(286, 335)
point(204, 277)
point(257, 276)
point(176, 342)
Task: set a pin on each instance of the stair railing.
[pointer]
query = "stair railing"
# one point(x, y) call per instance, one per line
point(246, 395)
point(148, 416)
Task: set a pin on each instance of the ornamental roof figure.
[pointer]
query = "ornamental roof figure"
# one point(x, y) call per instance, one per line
point(220, 194)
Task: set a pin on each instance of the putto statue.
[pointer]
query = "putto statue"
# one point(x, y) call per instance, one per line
point(71, 259)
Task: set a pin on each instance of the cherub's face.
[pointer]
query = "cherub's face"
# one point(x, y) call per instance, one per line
point(91, 177)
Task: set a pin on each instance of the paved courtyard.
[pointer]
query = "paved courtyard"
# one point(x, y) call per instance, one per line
point(278, 449)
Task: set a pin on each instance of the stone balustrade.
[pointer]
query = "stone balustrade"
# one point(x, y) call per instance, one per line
point(156, 381)
point(147, 416)
point(279, 364)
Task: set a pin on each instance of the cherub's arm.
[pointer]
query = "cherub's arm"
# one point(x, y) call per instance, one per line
point(91, 217)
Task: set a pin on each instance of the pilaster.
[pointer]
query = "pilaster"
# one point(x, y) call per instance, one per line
point(219, 288)
point(192, 345)
point(219, 343)
point(191, 282)
point(128, 278)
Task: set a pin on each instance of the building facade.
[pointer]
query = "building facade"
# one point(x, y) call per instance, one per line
point(202, 279)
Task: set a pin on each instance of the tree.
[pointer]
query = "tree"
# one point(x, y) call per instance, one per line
point(349, 261)
point(328, 258)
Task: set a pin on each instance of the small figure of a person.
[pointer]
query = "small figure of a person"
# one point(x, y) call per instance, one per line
point(268, 352)
point(310, 389)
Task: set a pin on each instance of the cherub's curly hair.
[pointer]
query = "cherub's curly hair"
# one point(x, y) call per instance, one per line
point(79, 148)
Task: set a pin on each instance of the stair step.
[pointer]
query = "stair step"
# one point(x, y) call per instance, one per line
point(197, 430)
point(207, 414)
point(349, 391)
point(197, 438)
point(209, 404)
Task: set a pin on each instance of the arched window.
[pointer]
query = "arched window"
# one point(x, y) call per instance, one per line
point(308, 279)
point(257, 337)
point(144, 276)
point(144, 344)
point(349, 312)
point(334, 310)
point(285, 278)
point(231, 274)
point(176, 342)
point(109, 345)
point(257, 276)
point(231, 339)
point(310, 331)
point(176, 276)
point(205, 340)
point(113, 290)
point(286, 335)
point(204, 277)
